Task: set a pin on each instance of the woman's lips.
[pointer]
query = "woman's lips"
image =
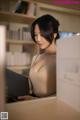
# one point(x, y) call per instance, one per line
point(39, 43)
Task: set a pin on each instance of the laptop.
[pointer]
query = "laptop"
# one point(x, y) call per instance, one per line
point(16, 85)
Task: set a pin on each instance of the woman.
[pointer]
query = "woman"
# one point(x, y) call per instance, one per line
point(42, 75)
point(44, 32)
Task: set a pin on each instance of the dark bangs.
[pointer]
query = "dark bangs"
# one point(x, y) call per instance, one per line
point(46, 30)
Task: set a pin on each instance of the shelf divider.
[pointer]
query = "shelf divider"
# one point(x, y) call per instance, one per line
point(16, 17)
point(20, 42)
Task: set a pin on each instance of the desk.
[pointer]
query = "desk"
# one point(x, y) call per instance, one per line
point(42, 109)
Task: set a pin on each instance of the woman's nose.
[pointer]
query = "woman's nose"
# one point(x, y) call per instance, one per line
point(38, 38)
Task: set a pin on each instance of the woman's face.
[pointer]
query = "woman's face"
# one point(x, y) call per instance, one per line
point(40, 40)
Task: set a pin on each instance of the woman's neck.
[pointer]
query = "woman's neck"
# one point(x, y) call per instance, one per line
point(51, 48)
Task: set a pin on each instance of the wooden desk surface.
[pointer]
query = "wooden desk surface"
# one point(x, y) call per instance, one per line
point(42, 109)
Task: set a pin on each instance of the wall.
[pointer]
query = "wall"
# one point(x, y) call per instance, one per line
point(68, 70)
point(69, 20)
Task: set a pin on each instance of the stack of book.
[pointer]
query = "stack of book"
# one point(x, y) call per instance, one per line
point(15, 59)
point(18, 32)
point(25, 7)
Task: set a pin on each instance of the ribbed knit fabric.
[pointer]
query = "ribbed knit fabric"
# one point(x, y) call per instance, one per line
point(43, 74)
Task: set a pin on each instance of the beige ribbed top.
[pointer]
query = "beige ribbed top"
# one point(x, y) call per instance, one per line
point(43, 74)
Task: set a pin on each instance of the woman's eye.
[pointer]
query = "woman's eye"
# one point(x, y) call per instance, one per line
point(40, 34)
point(35, 35)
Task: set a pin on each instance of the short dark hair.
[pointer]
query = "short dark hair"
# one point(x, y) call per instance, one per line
point(47, 25)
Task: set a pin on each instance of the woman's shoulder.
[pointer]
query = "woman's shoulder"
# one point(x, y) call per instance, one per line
point(50, 57)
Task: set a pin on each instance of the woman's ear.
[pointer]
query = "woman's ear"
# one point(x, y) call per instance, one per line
point(55, 34)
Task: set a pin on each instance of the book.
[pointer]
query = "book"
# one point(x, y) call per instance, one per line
point(31, 9)
point(15, 48)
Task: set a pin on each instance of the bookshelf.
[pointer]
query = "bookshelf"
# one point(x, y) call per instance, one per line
point(16, 45)
point(23, 49)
